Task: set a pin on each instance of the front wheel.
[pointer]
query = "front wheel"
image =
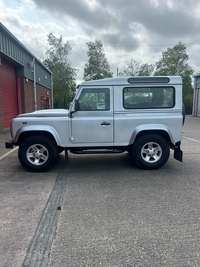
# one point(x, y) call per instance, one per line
point(37, 153)
point(151, 151)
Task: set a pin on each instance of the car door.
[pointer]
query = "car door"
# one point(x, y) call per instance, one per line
point(92, 123)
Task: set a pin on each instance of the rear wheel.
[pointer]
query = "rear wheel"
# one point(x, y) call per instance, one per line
point(150, 151)
point(37, 153)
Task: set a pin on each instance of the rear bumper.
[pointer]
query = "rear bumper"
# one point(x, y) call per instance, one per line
point(9, 144)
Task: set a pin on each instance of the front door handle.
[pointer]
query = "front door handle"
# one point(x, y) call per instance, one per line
point(105, 123)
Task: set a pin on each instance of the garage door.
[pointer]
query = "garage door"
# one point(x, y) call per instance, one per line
point(9, 92)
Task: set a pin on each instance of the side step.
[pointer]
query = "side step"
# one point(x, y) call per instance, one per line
point(97, 151)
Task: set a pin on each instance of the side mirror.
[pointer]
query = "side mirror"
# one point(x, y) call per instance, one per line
point(76, 105)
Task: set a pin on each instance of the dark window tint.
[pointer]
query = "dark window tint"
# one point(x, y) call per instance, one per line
point(94, 99)
point(154, 97)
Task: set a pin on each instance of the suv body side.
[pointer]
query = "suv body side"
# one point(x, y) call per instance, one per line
point(126, 123)
point(141, 115)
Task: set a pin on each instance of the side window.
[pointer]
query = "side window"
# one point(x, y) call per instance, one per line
point(94, 99)
point(153, 97)
point(162, 97)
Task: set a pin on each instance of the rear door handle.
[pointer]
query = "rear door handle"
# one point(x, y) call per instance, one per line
point(105, 123)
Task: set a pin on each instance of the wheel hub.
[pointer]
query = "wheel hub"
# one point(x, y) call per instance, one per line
point(151, 152)
point(37, 154)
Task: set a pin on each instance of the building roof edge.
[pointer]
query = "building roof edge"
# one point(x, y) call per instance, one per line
point(21, 45)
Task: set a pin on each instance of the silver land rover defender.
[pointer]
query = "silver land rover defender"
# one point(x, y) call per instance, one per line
point(141, 115)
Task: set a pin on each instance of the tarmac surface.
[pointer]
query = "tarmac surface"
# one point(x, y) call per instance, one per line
point(101, 210)
point(23, 199)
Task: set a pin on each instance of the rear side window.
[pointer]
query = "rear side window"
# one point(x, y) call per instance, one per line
point(149, 97)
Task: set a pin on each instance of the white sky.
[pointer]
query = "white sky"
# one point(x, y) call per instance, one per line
point(129, 29)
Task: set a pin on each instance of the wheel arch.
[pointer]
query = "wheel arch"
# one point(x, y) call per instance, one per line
point(29, 131)
point(161, 130)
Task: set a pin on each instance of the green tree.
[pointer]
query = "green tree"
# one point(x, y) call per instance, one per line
point(134, 68)
point(174, 61)
point(97, 66)
point(57, 61)
point(146, 69)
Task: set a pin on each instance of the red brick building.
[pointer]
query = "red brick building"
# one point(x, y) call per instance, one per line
point(25, 83)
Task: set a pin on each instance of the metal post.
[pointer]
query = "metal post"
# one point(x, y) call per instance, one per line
point(52, 106)
point(197, 107)
point(34, 85)
point(194, 98)
point(193, 106)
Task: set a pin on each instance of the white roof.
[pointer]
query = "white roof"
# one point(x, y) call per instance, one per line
point(135, 80)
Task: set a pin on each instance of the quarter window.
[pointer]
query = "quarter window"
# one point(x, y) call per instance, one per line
point(154, 97)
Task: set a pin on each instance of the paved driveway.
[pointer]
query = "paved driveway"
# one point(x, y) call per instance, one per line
point(109, 212)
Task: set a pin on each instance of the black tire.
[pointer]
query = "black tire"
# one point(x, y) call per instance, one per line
point(151, 151)
point(60, 149)
point(37, 153)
